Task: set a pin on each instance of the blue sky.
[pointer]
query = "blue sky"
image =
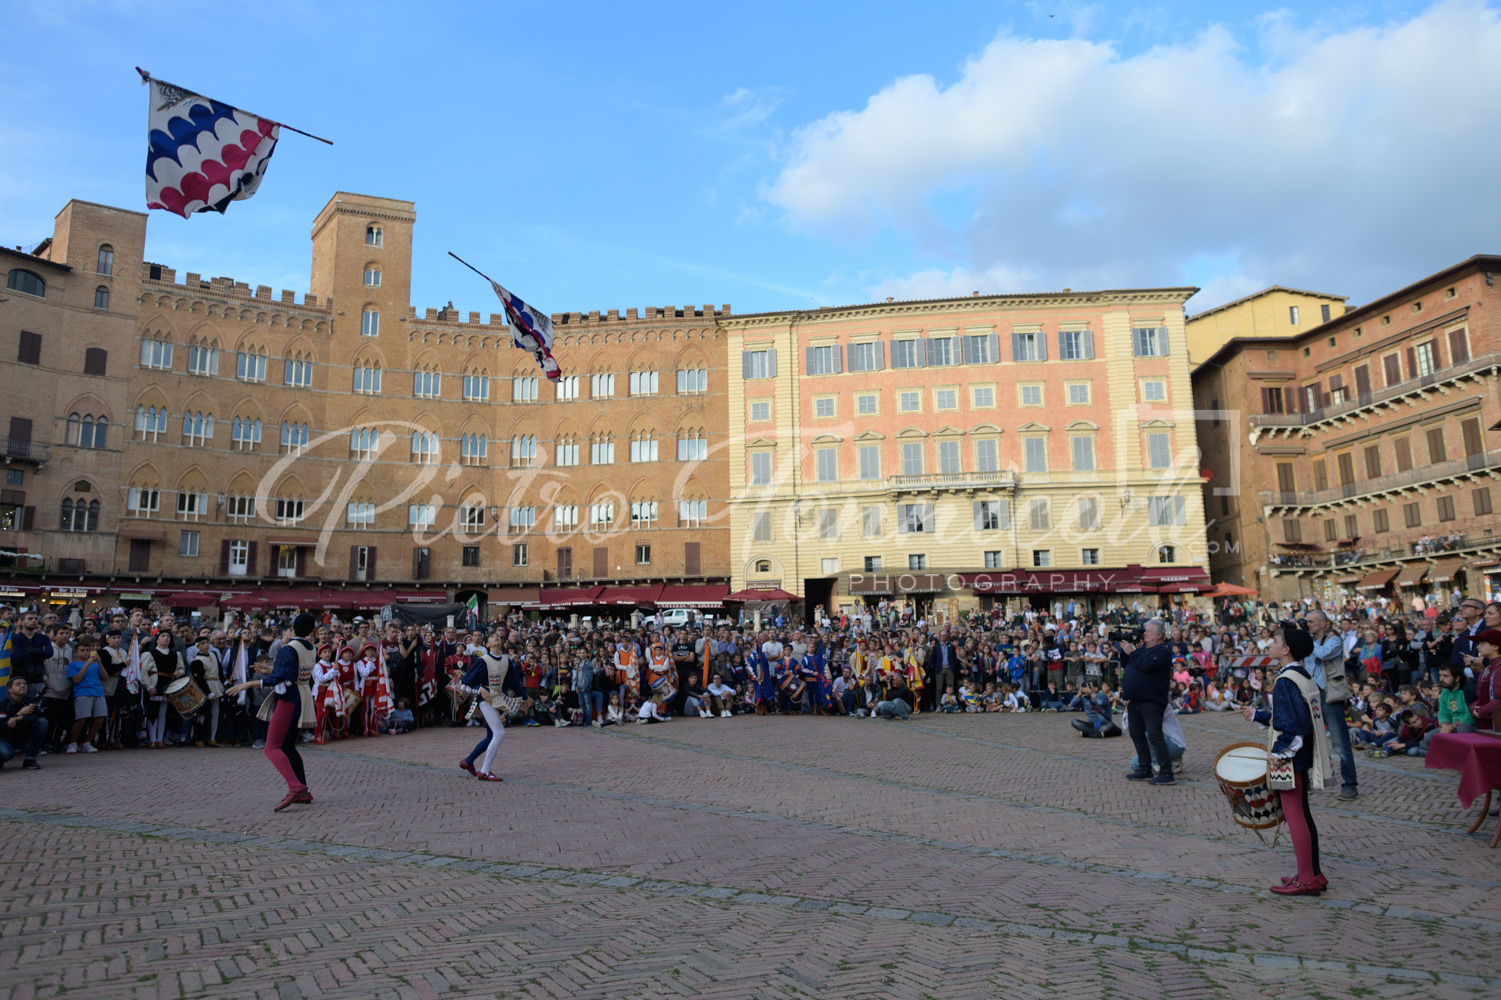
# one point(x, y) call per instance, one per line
point(595, 156)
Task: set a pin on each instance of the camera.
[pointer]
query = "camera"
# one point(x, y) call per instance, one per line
point(1132, 636)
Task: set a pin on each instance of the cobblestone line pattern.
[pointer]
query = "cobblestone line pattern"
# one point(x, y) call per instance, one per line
point(949, 857)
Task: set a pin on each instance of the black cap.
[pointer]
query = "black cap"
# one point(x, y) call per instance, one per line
point(303, 624)
point(1299, 642)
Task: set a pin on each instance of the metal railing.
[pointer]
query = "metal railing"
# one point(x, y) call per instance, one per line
point(1377, 396)
point(26, 450)
point(1381, 484)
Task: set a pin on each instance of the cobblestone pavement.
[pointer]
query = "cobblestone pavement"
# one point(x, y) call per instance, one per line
point(951, 856)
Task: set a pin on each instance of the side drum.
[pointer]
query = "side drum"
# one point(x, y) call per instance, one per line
point(1241, 770)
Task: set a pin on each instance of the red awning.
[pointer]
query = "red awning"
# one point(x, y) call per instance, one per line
point(188, 598)
point(633, 596)
point(774, 594)
point(570, 597)
point(1377, 579)
point(413, 597)
point(341, 600)
point(702, 596)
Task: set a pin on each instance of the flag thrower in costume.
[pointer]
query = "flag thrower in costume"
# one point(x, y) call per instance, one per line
point(201, 154)
point(530, 329)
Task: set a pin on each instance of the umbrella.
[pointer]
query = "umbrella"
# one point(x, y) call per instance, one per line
point(1230, 590)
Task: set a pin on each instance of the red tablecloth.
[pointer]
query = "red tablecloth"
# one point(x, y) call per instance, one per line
point(1475, 756)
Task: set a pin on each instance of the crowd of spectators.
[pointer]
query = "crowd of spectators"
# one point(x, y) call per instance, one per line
point(80, 690)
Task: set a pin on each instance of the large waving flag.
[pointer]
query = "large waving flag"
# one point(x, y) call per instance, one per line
point(201, 154)
point(5, 658)
point(530, 330)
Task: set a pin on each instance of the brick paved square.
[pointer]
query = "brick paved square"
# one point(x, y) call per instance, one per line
point(953, 856)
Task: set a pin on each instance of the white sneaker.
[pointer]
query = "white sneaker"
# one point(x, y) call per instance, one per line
point(88, 748)
point(598, 724)
point(557, 723)
point(725, 714)
point(71, 748)
point(640, 722)
point(704, 713)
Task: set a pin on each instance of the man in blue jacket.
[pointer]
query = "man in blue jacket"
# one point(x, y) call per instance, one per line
point(1144, 686)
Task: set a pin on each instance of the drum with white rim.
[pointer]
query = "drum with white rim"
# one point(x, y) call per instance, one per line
point(1241, 770)
point(185, 696)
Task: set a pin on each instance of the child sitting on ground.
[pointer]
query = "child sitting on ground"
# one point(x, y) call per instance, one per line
point(1410, 733)
point(401, 720)
point(1380, 730)
point(993, 700)
point(948, 703)
point(969, 694)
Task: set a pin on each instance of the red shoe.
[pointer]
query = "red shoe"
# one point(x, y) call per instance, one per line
point(464, 765)
point(1295, 888)
point(304, 797)
point(291, 797)
point(317, 741)
point(487, 776)
point(1318, 880)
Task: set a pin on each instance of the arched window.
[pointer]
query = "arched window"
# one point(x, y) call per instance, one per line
point(427, 382)
point(156, 353)
point(101, 297)
point(85, 431)
point(197, 429)
point(523, 449)
point(369, 323)
point(364, 442)
point(22, 280)
point(763, 566)
point(477, 387)
point(566, 451)
point(106, 259)
point(298, 371)
point(151, 423)
point(367, 379)
point(245, 433)
point(424, 447)
point(79, 513)
point(203, 357)
point(473, 448)
point(372, 276)
point(601, 450)
point(293, 437)
point(1167, 554)
point(250, 364)
point(374, 237)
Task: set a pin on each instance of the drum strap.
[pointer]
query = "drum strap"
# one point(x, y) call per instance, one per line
point(1321, 749)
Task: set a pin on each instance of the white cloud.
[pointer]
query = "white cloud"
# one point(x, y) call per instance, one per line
point(1357, 160)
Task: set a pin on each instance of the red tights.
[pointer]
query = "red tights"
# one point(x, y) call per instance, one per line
point(1305, 835)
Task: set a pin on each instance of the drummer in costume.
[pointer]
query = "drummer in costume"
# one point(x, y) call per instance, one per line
point(487, 679)
point(204, 669)
point(160, 666)
point(1297, 733)
point(912, 667)
point(794, 689)
point(286, 679)
point(328, 695)
point(762, 686)
point(661, 673)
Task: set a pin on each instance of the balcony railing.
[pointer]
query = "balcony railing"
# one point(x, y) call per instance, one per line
point(1357, 401)
point(1383, 484)
point(26, 451)
point(1430, 546)
point(1003, 479)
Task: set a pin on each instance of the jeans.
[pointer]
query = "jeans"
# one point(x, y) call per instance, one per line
point(1339, 739)
point(1146, 733)
point(1173, 750)
point(894, 709)
point(25, 737)
point(1096, 720)
point(593, 704)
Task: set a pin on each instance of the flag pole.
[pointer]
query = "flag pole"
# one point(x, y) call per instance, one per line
point(471, 267)
point(147, 77)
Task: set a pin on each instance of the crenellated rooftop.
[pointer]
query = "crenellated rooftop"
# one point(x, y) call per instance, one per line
point(165, 278)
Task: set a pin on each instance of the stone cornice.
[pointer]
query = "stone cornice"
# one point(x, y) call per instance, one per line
point(908, 310)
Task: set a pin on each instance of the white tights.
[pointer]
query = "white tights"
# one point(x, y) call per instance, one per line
point(493, 720)
point(156, 720)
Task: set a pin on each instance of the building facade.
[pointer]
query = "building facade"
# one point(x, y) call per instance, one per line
point(1271, 312)
point(324, 451)
point(1359, 457)
point(1027, 448)
point(69, 316)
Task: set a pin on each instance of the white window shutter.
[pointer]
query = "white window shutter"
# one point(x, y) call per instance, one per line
point(880, 355)
point(771, 363)
point(1088, 337)
point(921, 349)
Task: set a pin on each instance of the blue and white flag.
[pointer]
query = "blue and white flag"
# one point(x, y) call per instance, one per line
point(531, 330)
